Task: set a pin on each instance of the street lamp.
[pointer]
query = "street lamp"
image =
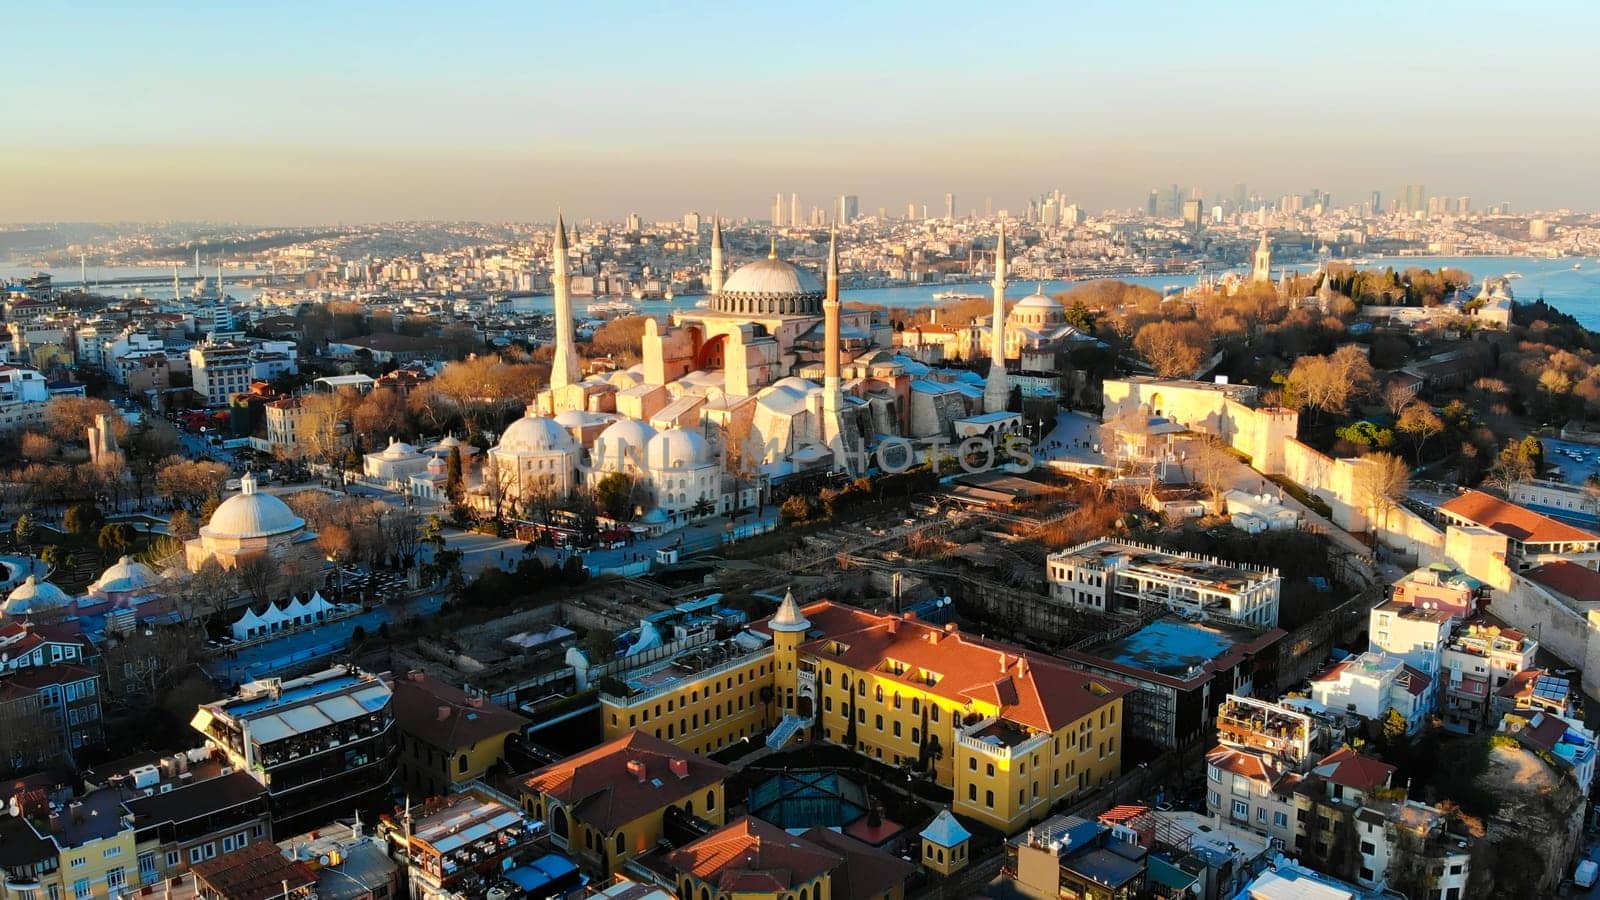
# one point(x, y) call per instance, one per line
point(339, 570)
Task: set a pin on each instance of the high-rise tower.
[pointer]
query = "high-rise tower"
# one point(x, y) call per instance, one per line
point(997, 388)
point(564, 368)
point(716, 256)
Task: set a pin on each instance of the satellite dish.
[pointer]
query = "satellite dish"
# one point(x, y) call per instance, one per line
point(323, 859)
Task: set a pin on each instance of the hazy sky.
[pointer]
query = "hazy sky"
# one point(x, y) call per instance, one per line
point(293, 112)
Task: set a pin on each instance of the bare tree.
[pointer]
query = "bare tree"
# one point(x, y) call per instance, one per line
point(68, 418)
point(1380, 483)
point(38, 448)
point(320, 431)
point(383, 413)
point(1212, 466)
point(258, 575)
point(1173, 349)
point(1421, 423)
point(1396, 397)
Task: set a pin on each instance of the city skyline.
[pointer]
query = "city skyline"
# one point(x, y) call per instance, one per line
point(276, 115)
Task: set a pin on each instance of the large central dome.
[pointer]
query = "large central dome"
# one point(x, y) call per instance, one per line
point(771, 287)
point(251, 515)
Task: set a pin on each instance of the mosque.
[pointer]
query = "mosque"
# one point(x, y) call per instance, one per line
point(774, 365)
point(248, 524)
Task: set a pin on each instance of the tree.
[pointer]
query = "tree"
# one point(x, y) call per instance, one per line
point(702, 508)
point(257, 575)
point(67, 419)
point(1367, 434)
point(1329, 383)
point(614, 494)
point(114, 540)
point(1173, 349)
point(1212, 466)
point(336, 543)
point(381, 412)
point(23, 529)
point(1396, 398)
point(454, 486)
point(320, 431)
point(1512, 466)
point(621, 337)
point(83, 518)
point(1380, 483)
point(190, 483)
point(482, 386)
point(599, 646)
point(1420, 423)
point(37, 448)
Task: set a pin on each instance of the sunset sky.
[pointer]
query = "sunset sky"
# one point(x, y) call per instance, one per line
point(290, 112)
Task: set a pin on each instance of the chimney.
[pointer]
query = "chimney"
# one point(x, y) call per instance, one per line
point(950, 628)
point(909, 617)
point(1004, 662)
point(76, 808)
point(1022, 667)
point(444, 713)
point(679, 767)
point(58, 822)
point(894, 626)
point(636, 769)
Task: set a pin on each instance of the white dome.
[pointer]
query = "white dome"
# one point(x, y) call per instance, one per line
point(772, 278)
point(622, 441)
point(251, 515)
point(399, 450)
point(788, 396)
point(676, 448)
point(1038, 300)
point(128, 575)
point(35, 596)
point(535, 434)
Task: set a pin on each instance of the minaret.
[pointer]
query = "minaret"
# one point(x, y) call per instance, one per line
point(716, 256)
point(564, 368)
point(1262, 272)
point(832, 396)
point(997, 388)
point(177, 292)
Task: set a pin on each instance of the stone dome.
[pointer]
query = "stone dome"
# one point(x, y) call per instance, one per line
point(622, 442)
point(676, 448)
point(535, 434)
point(251, 515)
point(399, 450)
point(33, 596)
point(127, 576)
point(771, 287)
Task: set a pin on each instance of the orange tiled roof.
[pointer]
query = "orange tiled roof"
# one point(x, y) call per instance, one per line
point(1352, 770)
point(1568, 578)
point(1516, 522)
point(752, 856)
point(604, 794)
point(1028, 688)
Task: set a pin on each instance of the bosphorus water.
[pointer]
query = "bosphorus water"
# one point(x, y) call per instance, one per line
point(1573, 291)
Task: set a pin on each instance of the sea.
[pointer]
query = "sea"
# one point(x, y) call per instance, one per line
point(1572, 285)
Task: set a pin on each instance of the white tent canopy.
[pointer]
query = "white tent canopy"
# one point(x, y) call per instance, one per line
point(245, 628)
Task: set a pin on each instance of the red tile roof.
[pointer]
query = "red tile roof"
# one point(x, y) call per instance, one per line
point(1415, 681)
point(867, 872)
point(444, 716)
point(752, 856)
point(1029, 688)
point(604, 794)
point(1239, 762)
point(1516, 522)
point(257, 872)
point(1350, 769)
point(1568, 579)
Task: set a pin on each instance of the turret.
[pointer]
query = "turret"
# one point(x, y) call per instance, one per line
point(997, 387)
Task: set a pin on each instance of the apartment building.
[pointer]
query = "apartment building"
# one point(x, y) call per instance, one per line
point(1479, 660)
point(220, 371)
point(50, 692)
point(323, 745)
point(1372, 684)
point(448, 738)
point(1124, 578)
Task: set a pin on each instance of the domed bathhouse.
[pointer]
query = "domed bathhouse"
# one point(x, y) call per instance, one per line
point(247, 524)
point(35, 598)
point(396, 462)
point(535, 456)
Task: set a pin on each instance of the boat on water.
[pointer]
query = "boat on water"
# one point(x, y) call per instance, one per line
point(1510, 275)
point(703, 303)
point(1577, 265)
point(611, 308)
point(956, 295)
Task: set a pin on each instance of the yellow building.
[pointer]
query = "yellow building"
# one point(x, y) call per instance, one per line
point(1010, 732)
point(753, 860)
point(96, 848)
point(448, 738)
point(944, 844)
point(702, 701)
point(606, 805)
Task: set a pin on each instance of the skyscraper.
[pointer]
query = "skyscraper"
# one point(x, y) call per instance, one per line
point(1463, 205)
point(1174, 202)
point(849, 209)
point(950, 207)
point(1152, 206)
point(777, 210)
point(1240, 196)
point(794, 209)
point(1193, 212)
point(691, 221)
point(1377, 203)
point(911, 211)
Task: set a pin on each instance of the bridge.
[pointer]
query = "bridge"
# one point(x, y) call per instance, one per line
point(131, 280)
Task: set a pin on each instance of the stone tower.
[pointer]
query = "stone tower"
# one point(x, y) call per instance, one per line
point(997, 389)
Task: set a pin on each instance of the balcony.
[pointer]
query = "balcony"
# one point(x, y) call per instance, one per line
point(1000, 739)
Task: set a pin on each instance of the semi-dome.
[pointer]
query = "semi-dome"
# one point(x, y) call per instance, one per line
point(251, 515)
point(676, 448)
point(127, 576)
point(33, 596)
point(535, 434)
point(771, 287)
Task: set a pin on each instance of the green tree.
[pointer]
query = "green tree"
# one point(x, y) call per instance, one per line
point(52, 555)
point(114, 540)
point(702, 508)
point(83, 518)
point(599, 646)
point(1367, 434)
point(24, 529)
point(453, 483)
point(1531, 453)
point(614, 494)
